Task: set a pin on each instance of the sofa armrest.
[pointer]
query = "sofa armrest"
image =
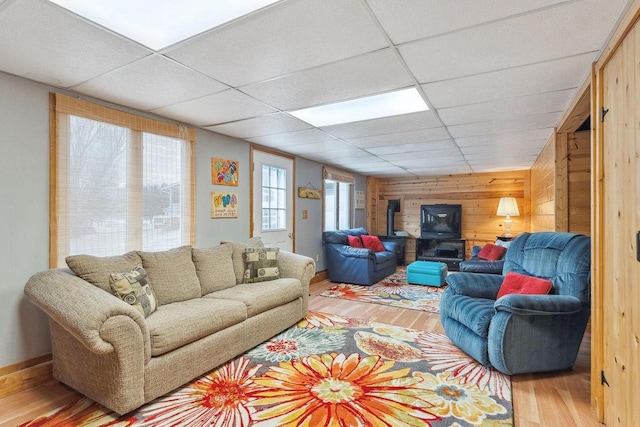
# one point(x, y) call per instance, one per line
point(296, 266)
point(539, 305)
point(391, 246)
point(83, 310)
point(477, 285)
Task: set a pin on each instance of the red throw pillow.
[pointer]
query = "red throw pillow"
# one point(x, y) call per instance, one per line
point(492, 252)
point(515, 283)
point(373, 243)
point(354, 241)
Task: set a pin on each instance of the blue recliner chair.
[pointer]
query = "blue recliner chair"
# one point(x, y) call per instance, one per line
point(358, 266)
point(524, 333)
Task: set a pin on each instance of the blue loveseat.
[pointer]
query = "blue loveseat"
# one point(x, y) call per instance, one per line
point(524, 333)
point(359, 266)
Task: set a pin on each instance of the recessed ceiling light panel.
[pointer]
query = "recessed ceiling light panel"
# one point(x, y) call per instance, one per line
point(371, 107)
point(161, 23)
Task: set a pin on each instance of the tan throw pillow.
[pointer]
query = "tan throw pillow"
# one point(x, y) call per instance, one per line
point(134, 289)
point(237, 255)
point(214, 268)
point(96, 270)
point(173, 274)
point(261, 265)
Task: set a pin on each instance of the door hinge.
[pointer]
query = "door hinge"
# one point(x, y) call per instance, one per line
point(603, 379)
point(603, 112)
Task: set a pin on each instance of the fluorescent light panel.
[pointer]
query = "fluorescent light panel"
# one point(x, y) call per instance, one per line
point(371, 107)
point(161, 23)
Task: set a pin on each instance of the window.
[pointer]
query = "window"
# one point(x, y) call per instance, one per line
point(274, 198)
point(338, 190)
point(120, 182)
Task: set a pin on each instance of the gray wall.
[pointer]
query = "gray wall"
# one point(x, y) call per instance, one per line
point(24, 208)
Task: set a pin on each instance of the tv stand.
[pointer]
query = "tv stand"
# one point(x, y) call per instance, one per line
point(450, 251)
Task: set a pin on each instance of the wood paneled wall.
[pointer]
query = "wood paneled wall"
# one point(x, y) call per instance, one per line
point(543, 189)
point(478, 194)
point(579, 182)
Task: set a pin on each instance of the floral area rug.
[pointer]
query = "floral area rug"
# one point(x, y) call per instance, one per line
point(394, 291)
point(327, 370)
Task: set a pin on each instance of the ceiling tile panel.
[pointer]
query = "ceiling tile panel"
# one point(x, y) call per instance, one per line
point(421, 135)
point(446, 144)
point(300, 137)
point(288, 37)
point(136, 84)
point(445, 170)
point(222, 107)
point(43, 42)
point(565, 73)
point(324, 147)
point(539, 121)
point(406, 20)
point(269, 124)
point(506, 138)
point(385, 126)
point(508, 108)
point(363, 75)
point(525, 39)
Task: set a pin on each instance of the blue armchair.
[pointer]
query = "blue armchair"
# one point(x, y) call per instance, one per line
point(359, 266)
point(524, 333)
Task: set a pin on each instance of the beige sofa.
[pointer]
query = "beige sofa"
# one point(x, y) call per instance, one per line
point(106, 349)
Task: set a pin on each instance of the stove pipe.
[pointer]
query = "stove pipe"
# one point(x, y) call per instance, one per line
point(392, 208)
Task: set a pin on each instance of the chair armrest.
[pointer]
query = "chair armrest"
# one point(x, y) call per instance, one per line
point(538, 305)
point(82, 309)
point(477, 285)
point(391, 246)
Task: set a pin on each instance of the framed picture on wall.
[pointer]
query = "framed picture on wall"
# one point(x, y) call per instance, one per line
point(224, 205)
point(224, 172)
point(359, 199)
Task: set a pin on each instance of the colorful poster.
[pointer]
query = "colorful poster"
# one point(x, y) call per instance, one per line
point(224, 205)
point(224, 172)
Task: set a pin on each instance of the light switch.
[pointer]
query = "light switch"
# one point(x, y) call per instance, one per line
point(305, 214)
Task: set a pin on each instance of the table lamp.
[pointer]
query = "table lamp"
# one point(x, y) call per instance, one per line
point(508, 207)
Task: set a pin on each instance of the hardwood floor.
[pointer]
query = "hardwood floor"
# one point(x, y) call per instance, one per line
point(556, 399)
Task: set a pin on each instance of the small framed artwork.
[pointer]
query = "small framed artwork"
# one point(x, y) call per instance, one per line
point(359, 202)
point(224, 205)
point(309, 192)
point(224, 172)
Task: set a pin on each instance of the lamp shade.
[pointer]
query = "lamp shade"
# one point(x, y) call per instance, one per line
point(508, 206)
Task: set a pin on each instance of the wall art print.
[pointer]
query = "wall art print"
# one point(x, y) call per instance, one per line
point(224, 172)
point(224, 205)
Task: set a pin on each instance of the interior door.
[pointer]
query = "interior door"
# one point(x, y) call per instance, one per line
point(273, 210)
point(621, 221)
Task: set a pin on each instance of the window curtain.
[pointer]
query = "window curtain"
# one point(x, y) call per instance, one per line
point(119, 182)
point(338, 175)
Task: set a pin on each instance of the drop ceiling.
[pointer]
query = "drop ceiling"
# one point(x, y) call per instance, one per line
point(497, 74)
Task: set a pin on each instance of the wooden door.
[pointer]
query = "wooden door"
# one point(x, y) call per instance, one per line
point(620, 287)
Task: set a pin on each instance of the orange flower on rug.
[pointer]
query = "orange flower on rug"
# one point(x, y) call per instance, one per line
point(328, 370)
point(393, 290)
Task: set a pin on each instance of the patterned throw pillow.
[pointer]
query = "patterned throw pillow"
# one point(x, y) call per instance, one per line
point(261, 265)
point(134, 288)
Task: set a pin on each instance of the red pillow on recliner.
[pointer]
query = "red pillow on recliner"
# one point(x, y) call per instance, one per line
point(515, 283)
point(373, 243)
point(492, 252)
point(354, 241)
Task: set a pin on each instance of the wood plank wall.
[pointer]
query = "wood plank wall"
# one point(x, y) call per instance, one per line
point(579, 191)
point(478, 194)
point(543, 193)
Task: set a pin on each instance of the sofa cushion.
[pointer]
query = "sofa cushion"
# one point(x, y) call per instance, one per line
point(515, 283)
point(492, 252)
point(134, 289)
point(97, 270)
point(261, 265)
point(214, 268)
point(237, 255)
point(262, 296)
point(172, 274)
point(372, 242)
point(474, 313)
point(180, 323)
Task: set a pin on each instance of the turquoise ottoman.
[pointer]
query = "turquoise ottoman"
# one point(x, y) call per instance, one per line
point(426, 273)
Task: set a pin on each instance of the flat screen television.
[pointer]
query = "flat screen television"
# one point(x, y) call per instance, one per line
point(441, 221)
